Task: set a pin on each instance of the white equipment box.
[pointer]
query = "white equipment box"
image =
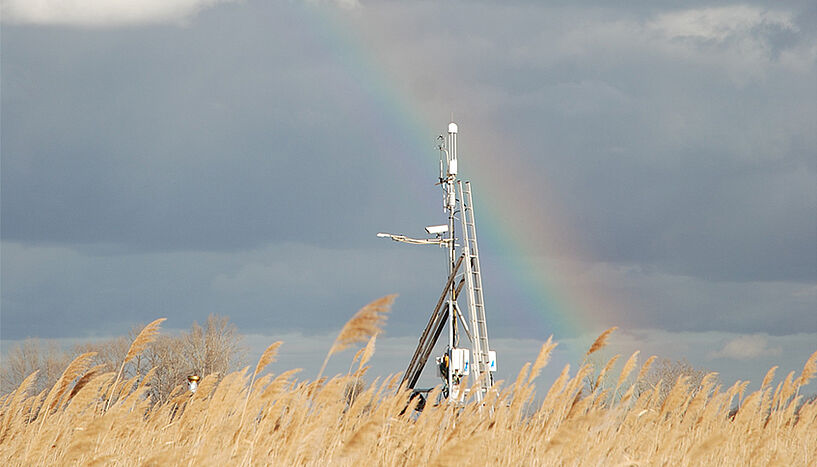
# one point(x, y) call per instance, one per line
point(460, 359)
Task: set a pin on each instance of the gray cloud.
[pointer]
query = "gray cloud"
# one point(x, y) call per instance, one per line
point(60, 292)
point(745, 347)
point(242, 163)
point(165, 147)
point(105, 13)
point(677, 138)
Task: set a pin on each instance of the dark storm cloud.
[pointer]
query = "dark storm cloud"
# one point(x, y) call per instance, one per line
point(54, 292)
point(240, 164)
point(174, 138)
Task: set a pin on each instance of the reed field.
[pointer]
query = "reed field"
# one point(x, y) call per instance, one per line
point(252, 417)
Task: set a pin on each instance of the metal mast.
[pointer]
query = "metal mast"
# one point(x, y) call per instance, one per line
point(455, 364)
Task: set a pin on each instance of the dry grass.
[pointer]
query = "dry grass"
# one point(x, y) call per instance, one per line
point(142, 340)
point(600, 341)
point(364, 325)
point(280, 420)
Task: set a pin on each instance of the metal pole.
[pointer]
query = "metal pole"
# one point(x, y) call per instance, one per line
point(452, 206)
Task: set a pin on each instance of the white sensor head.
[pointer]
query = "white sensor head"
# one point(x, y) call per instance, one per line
point(437, 229)
point(452, 127)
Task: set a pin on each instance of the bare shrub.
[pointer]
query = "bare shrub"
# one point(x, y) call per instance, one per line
point(29, 356)
point(663, 375)
point(214, 348)
point(111, 352)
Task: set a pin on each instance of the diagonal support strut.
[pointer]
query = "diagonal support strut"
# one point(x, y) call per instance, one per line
point(431, 332)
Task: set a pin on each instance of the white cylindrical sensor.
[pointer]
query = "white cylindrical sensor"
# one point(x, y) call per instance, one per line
point(452, 149)
point(193, 383)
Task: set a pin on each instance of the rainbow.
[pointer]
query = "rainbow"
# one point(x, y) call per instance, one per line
point(507, 217)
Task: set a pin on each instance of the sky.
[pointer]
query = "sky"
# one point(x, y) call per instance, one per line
point(642, 165)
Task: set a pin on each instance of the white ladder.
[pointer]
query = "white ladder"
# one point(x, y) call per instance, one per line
point(473, 280)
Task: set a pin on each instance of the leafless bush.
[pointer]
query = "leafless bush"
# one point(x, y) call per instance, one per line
point(665, 373)
point(29, 356)
point(203, 350)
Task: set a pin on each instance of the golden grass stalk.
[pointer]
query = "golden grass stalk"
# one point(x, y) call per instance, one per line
point(645, 368)
point(279, 384)
point(628, 368)
point(89, 394)
point(145, 337)
point(742, 388)
point(556, 388)
point(85, 379)
point(678, 392)
point(20, 393)
point(267, 357)
point(785, 391)
point(16, 397)
point(600, 341)
point(367, 322)
point(360, 439)
point(706, 447)
point(809, 370)
point(542, 359)
point(521, 376)
point(769, 377)
point(74, 370)
point(368, 351)
point(605, 370)
point(310, 423)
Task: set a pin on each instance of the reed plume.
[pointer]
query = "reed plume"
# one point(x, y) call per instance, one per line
point(266, 358)
point(600, 341)
point(628, 368)
point(542, 359)
point(85, 379)
point(605, 370)
point(14, 399)
point(292, 422)
point(645, 368)
point(809, 370)
point(368, 351)
point(367, 322)
point(75, 369)
point(145, 337)
point(769, 377)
